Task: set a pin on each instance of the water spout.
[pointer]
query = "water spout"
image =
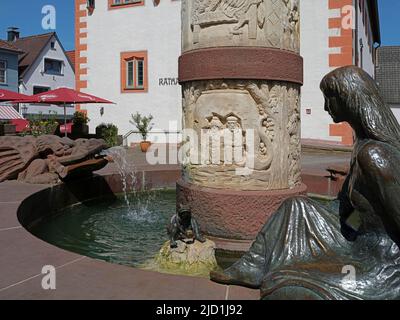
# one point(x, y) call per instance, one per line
point(125, 169)
point(136, 202)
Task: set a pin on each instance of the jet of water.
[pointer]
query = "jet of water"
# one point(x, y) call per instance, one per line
point(125, 169)
point(136, 202)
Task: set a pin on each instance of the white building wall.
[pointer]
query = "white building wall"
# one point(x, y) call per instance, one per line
point(315, 52)
point(367, 53)
point(36, 77)
point(143, 28)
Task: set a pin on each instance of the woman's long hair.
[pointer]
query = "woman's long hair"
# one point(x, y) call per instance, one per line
point(359, 95)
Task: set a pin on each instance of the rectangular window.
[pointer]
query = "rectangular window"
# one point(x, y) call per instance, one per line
point(39, 89)
point(134, 72)
point(122, 2)
point(53, 66)
point(129, 76)
point(139, 73)
point(3, 72)
point(115, 4)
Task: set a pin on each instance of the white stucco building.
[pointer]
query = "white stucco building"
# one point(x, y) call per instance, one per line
point(328, 43)
point(127, 51)
point(43, 65)
point(129, 54)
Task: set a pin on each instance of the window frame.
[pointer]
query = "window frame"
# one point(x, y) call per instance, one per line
point(133, 64)
point(134, 57)
point(137, 73)
point(5, 72)
point(61, 73)
point(127, 85)
point(132, 3)
point(39, 86)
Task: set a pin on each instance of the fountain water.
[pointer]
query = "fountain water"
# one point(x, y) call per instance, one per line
point(125, 169)
point(136, 202)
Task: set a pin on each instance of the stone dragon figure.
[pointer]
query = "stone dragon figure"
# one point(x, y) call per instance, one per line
point(49, 159)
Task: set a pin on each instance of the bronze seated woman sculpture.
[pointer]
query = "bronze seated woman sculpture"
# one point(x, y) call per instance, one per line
point(305, 249)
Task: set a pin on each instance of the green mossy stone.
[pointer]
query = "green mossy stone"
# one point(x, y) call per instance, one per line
point(188, 258)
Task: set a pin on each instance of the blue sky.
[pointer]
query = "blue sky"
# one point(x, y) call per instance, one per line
point(27, 15)
point(389, 17)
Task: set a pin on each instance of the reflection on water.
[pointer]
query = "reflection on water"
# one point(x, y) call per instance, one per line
point(112, 231)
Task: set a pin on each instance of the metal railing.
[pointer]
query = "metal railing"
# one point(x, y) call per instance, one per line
point(131, 132)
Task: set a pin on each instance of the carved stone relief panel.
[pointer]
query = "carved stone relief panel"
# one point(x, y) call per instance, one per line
point(241, 134)
point(294, 132)
point(267, 23)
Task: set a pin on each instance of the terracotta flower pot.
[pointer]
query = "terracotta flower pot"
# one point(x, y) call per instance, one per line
point(145, 145)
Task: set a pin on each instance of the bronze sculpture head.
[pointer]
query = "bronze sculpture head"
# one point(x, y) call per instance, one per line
point(351, 95)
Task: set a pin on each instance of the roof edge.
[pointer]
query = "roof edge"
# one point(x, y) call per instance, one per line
point(375, 20)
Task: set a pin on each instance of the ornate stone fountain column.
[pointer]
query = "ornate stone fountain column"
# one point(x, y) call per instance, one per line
point(241, 74)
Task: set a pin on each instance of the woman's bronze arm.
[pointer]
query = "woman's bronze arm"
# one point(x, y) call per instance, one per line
point(345, 211)
point(379, 164)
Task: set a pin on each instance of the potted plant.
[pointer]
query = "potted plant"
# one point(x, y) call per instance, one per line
point(80, 127)
point(144, 125)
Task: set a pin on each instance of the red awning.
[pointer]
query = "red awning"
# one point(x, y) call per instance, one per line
point(6, 95)
point(9, 113)
point(62, 96)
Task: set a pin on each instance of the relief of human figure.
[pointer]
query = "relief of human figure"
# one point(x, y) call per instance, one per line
point(212, 12)
point(263, 149)
point(291, 25)
point(269, 128)
point(302, 250)
point(233, 142)
point(250, 12)
point(215, 137)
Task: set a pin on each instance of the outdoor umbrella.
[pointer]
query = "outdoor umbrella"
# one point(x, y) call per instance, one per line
point(11, 96)
point(62, 97)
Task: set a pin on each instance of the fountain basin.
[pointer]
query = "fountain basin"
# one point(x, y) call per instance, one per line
point(107, 229)
point(91, 217)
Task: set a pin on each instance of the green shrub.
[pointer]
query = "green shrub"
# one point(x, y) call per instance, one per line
point(80, 118)
point(38, 125)
point(108, 132)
